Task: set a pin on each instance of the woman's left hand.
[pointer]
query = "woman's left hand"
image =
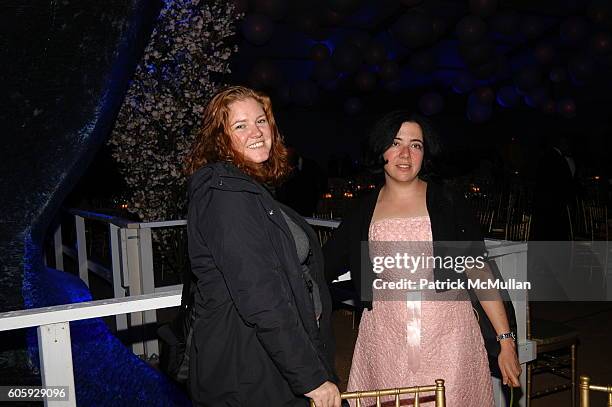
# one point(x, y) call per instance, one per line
point(509, 364)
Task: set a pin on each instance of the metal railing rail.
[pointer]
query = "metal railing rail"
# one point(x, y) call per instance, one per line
point(53, 331)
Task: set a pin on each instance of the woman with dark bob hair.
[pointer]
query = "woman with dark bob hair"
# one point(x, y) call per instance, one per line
point(262, 335)
point(411, 332)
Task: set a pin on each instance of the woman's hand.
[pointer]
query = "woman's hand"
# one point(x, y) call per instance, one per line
point(509, 364)
point(326, 395)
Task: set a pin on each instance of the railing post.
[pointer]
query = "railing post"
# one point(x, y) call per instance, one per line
point(147, 281)
point(118, 290)
point(58, 248)
point(130, 242)
point(55, 354)
point(81, 249)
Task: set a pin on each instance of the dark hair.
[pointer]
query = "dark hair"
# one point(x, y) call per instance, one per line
point(383, 133)
point(213, 143)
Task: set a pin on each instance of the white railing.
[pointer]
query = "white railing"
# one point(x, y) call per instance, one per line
point(53, 330)
point(131, 270)
point(132, 274)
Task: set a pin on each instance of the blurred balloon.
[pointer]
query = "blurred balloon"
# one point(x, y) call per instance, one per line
point(423, 62)
point(507, 96)
point(265, 74)
point(486, 70)
point(431, 103)
point(304, 93)
point(573, 6)
point(389, 70)
point(574, 30)
point(544, 52)
point(581, 68)
point(479, 113)
point(393, 86)
point(567, 107)
point(375, 53)
point(323, 71)
point(484, 95)
point(241, 6)
point(527, 78)
point(463, 82)
point(332, 18)
point(413, 29)
point(319, 52)
point(275, 9)
point(532, 27)
point(506, 22)
point(411, 3)
point(352, 106)
point(257, 29)
point(438, 26)
point(471, 29)
point(601, 43)
point(549, 106)
point(483, 8)
point(346, 58)
point(344, 6)
point(284, 95)
point(536, 98)
point(360, 39)
point(600, 12)
point(475, 54)
point(365, 80)
point(503, 66)
point(308, 23)
point(557, 74)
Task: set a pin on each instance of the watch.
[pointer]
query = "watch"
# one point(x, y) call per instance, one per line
point(506, 335)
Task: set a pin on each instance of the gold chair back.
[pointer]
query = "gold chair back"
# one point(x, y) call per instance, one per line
point(586, 387)
point(438, 390)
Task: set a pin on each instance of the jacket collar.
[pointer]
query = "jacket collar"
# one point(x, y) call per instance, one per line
point(226, 176)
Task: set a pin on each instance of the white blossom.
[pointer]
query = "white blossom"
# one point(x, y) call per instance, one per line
point(155, 126)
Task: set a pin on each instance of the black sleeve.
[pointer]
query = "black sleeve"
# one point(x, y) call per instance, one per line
point(469, 228)
point(232, 225)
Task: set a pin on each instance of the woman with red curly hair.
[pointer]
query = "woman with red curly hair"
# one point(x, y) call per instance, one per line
point(262, 335)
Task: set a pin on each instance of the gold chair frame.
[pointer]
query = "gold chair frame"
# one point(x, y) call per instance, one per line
point(555, 365)
point(586, 386)
point(438, 389)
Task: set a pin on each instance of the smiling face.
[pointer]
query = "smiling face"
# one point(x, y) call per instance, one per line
point(250, 130)
point(405, 155)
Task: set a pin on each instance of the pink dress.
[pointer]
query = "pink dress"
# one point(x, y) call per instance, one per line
point(406, 341)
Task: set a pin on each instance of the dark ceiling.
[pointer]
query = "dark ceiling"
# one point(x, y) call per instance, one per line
point(551, 56)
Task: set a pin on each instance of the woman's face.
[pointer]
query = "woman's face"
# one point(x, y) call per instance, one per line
point(405, 156)
point(250, 131)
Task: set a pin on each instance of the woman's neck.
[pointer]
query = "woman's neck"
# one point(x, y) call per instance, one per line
point(394, 190)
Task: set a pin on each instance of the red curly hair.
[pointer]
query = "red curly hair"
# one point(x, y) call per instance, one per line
point(213, 142)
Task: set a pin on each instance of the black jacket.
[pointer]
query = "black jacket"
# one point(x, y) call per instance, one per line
point(256, 340)
point(454, 232)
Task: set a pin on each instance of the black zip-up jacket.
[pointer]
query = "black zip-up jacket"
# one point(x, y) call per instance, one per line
point(454, 232)
point(256, 340)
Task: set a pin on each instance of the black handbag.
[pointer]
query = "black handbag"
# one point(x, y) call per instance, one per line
point(175, 337)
